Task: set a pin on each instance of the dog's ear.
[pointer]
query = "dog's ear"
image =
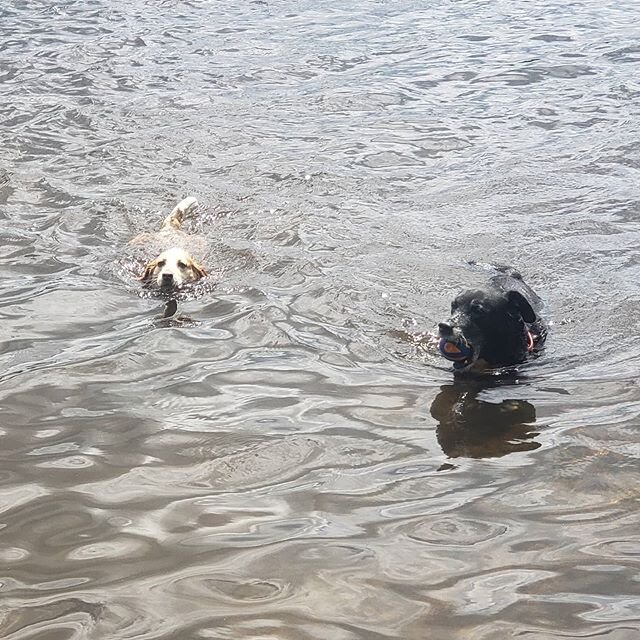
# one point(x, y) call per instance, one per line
point(148, 270)
point(200, 271)
point(517, 300)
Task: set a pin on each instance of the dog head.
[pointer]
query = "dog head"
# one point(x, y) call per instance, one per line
point(487, 327)
point(172, 268)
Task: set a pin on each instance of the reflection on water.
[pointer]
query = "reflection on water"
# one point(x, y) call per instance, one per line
point(271, 462)
point(477, 428)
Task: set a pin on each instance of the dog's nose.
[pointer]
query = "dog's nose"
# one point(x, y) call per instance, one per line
point(167, 278)
point(445, 330)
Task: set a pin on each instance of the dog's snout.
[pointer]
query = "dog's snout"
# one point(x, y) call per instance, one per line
point(445, 329)
point(167, 278)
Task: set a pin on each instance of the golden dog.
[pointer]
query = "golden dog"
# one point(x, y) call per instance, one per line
point(174, 265)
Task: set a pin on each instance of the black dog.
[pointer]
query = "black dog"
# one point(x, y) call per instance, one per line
point(494, 327)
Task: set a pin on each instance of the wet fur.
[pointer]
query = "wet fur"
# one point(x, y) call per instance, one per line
point(496, 320)
point(174, 265)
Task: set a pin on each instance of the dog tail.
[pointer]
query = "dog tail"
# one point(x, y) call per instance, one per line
point(174, 219)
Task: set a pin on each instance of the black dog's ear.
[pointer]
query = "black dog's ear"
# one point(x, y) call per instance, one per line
point(522, 304)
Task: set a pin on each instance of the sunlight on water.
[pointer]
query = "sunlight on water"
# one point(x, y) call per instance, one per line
point(287, 456)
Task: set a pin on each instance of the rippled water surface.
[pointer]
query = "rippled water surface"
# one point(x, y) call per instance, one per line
point(283, 461)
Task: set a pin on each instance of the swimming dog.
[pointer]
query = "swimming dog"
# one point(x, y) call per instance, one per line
point(174, 265)
point(494, 327)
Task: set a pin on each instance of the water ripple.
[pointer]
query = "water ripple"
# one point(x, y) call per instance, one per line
point(288, 458)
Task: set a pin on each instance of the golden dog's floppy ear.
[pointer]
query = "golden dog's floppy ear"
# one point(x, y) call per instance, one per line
point(148, 270)
point(201, 272)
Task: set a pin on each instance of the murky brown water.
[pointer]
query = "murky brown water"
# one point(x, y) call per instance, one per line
point(281, 465)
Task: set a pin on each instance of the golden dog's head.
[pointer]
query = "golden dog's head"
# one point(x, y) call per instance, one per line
point(172, 268)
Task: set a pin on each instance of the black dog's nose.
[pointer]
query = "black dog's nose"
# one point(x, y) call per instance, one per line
point(445, 330)
point(167, 278)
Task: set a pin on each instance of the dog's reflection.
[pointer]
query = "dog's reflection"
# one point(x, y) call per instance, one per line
point(475, 428)
point(170, 317)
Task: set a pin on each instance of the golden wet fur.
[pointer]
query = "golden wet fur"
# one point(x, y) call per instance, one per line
point(174, 265)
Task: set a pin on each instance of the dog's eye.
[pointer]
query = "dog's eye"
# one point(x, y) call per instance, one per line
point(476, 306)
point(181, 265)
point(162, 263)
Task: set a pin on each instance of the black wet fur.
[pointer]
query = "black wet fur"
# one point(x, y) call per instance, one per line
point(496, 320)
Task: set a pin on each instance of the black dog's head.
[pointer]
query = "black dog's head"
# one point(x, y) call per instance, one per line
point(492, 327)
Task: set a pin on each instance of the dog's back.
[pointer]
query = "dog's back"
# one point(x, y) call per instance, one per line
point(506, 282)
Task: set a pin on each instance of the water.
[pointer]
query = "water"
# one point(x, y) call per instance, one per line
point(283, 461)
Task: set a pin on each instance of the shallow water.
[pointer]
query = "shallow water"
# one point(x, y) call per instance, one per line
point(278, 462)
